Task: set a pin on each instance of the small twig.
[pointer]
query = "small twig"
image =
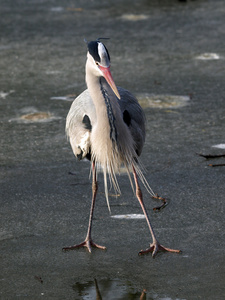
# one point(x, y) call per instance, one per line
point(217, 165)
point(164, 204)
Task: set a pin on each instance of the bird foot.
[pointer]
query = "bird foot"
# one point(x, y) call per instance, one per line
point(155, 247)
point(87, 243)
point(164, 202)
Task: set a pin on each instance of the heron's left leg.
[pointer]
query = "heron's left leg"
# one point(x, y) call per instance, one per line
point(88, 241)
point(155, 246)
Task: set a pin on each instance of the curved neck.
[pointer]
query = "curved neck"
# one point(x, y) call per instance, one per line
point(105, 102)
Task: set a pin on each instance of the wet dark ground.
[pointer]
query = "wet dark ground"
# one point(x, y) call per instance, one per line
point(161, 49)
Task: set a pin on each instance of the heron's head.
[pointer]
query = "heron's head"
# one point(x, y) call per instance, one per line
point(99, 59)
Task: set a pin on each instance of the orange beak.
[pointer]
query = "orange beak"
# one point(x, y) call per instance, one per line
point(108, 77)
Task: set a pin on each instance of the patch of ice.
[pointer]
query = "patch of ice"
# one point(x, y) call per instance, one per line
point(219, 146)
point(162, 101)
point(33, 116)
point(133, 17)
point(57, 9)
point(208, 56)
point(3, 94)
point(64, 98)
point(128, 216)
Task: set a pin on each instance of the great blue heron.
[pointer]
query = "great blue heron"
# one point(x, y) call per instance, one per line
point(106, 125)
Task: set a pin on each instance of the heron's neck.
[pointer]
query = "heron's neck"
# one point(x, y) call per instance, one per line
point(111, 140)
point(105, 102)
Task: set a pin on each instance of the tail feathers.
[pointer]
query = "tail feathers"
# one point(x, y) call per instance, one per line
point(144, 180)
point(114, 183)
point(106, 192)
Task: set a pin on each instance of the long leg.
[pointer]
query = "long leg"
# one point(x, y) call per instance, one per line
point(88, 241)
point(155, 246)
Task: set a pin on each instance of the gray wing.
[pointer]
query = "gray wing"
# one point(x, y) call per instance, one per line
point(134, 117)
point(79, 122)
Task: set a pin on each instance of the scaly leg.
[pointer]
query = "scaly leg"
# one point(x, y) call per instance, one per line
point(88, 241)
point(155, 246)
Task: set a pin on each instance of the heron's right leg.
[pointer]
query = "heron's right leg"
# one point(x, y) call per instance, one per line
point(88, 242)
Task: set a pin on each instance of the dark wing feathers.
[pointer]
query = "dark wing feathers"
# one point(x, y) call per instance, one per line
point(133, 116)
point(87, 122)
point(126, 117)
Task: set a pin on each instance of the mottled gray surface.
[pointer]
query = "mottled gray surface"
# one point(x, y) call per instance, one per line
point(153, 46)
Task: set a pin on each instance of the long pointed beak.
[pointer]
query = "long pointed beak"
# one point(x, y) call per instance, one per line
point(108, 77)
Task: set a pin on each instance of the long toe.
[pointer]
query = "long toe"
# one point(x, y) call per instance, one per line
point(83, 244)
point(97, 246)
point(156, 247)
point(87, 243)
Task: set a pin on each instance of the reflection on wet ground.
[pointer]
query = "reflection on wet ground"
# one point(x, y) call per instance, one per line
point(108, 289)
point(114, 289)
